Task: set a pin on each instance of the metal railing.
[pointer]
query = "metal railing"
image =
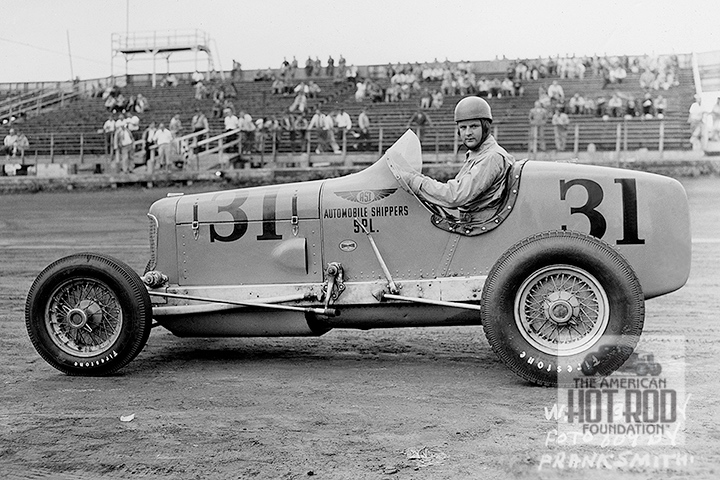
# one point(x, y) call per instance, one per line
point(32, 103)
point(277, 151)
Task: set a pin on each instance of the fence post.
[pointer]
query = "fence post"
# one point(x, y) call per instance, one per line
point(661, 143)
point(82, 144)
point(274, 147)
point(455, 146)
point(52, 148)
point(221, 152)
point(625, 136)
point(576, 141)
point(380, 141)
point(437, 146)
point(345, 159)
point(618, 139)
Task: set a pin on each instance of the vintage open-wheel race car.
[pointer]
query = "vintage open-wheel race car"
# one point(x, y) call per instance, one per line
point(561, 269)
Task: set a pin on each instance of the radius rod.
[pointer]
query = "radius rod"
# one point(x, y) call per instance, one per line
point(328, 312)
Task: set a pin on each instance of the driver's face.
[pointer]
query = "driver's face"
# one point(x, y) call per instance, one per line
point(470, 133)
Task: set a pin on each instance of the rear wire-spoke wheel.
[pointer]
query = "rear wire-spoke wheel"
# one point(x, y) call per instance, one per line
point(561, 310)
point(88, 314)
point(561, 305)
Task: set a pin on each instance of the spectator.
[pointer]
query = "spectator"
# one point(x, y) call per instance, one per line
point(199, 123)
point(293, 68)
point(289, 124)
point(647, 79)
point(560, 121)
point(340, 70)
point(237, 72)
point(141, 103)
point(660, 105)
point(300, 101)
point(163, 139)
point(647, 106)
point(330, 127)
point(217, 97)
point(247, 132)
point(10, 144)
point(425, 99)
point(317, 67)
point(197, 77)
point(437, 99)
point(278, 86)
point(330, 68)
point(343, 124)
point(555, 92)
point(419, 122)
point(301, 125)
point(715, 129)
point(360, 90)
point(148, 143)
point(200, 91)
point(170, 80)
point(364, 130)
point(176, 126)
point(123, 147)
point(231, 123)
point(495, 86)
point(518, 89)
point(615, 105)
point(21, 144)
point(589, 106)
point(351, 73)
point(631, 109)
point(133, 124)
point(617, 74)
point(695, 119)
point(538, 117)
point(601, 107)
point(309, 65)
point(313, 89)
point(577, 104)
point(483, 88)
point(108, 129)
point(317, 123)
point(506, 87)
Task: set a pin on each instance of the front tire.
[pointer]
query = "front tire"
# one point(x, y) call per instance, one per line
point(88, 314)
point(557, 297)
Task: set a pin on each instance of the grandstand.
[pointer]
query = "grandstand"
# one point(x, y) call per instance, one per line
point(72, 129)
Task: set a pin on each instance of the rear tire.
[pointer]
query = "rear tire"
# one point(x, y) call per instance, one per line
point(88, 314)
point(554, 299)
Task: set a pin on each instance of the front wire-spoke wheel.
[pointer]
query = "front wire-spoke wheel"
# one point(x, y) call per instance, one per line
point(88, 314)
point(84, 317)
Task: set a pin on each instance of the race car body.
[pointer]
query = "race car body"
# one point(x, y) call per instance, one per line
point(561, 268)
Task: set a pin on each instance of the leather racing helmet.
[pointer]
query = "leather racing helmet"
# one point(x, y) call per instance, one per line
point(472, 107)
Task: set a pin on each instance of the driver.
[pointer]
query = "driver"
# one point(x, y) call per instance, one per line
point(478, 187)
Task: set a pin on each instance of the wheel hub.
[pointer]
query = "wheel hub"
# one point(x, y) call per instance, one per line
point(76, 318)
point(561, 307)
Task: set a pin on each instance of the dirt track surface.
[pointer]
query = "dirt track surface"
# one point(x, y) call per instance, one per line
point(395, 404)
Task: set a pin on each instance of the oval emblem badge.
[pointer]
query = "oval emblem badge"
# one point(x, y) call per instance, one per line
point(348, 245)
